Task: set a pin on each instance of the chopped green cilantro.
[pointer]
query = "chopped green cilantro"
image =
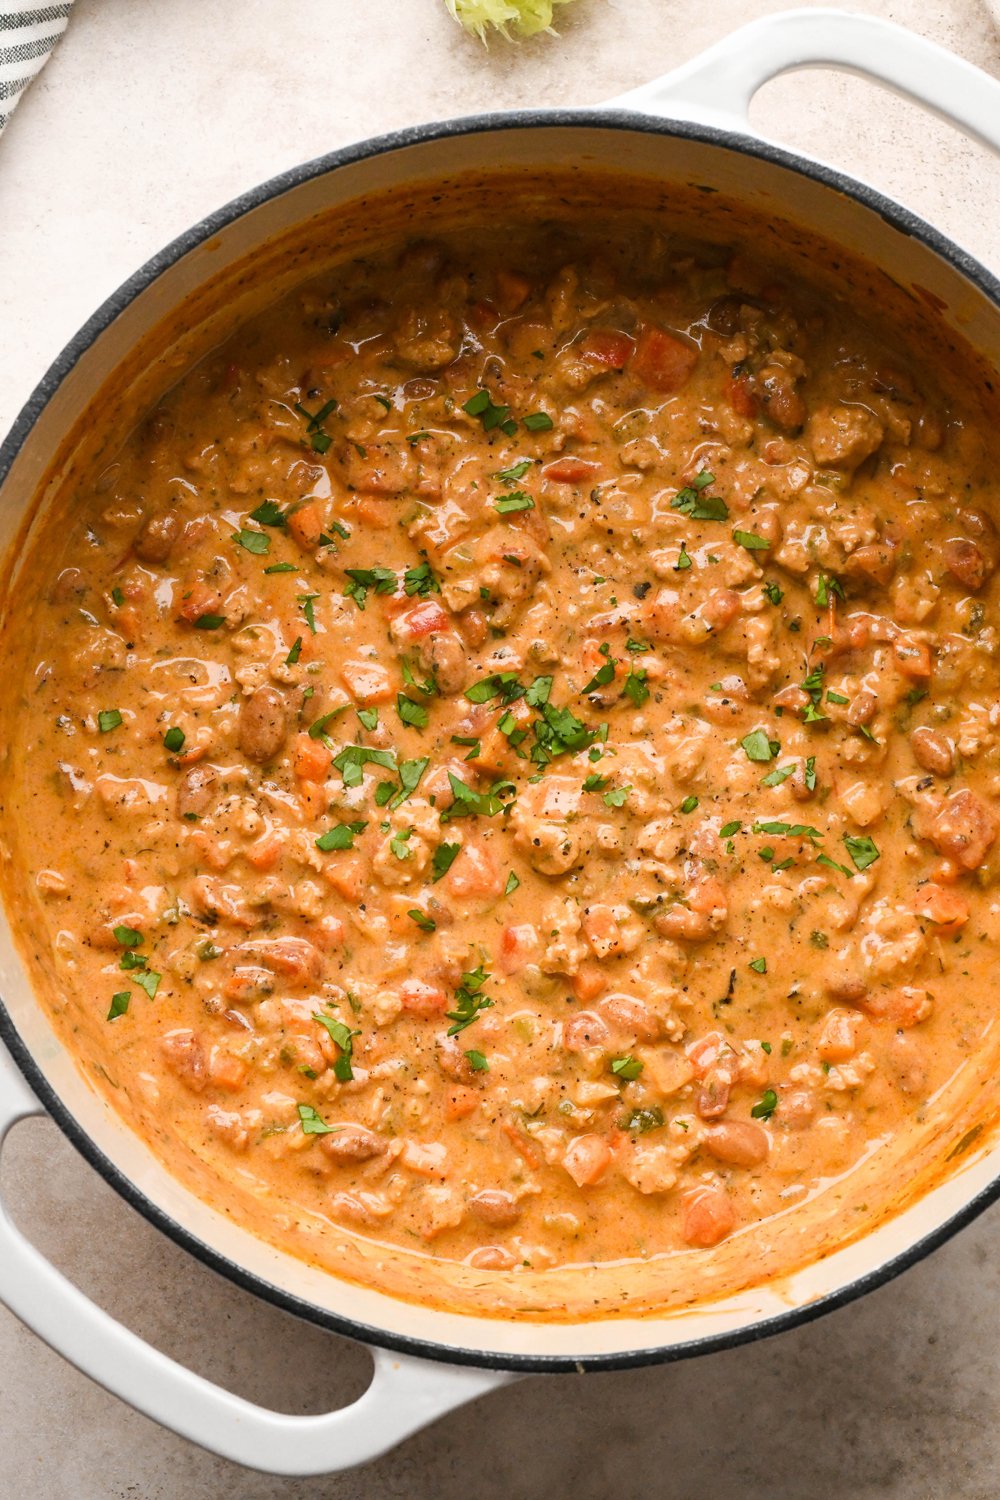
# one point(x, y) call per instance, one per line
point(341, 836)
point(420, 580)
point(382, 580)
point(758, 747)
point(252, 541)
point(415, 714)
point(469, 1000)
point(344, 1038)
point(627, 1068)
point(862, 850)
point(517, 500)
point(312, 1123)
point(691, 501)
point(443, 858)
point(751, 541)
point(119, 1004)
point(269, 513)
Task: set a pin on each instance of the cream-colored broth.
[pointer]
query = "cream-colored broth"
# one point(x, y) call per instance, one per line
point(730, 906)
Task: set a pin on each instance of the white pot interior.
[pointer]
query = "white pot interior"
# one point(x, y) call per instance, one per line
point(773, 190)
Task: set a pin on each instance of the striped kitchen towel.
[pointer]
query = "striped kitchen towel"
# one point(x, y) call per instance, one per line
point(28, 32)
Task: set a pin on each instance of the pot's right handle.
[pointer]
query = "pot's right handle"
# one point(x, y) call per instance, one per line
point(405, 1394)
point(717, 86)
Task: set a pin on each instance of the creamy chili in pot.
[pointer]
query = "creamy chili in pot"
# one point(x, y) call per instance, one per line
point(505, 762)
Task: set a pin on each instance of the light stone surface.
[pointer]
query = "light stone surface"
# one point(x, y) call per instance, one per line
point(152, 113)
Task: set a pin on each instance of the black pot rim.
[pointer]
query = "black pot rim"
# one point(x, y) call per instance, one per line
point(886, 209)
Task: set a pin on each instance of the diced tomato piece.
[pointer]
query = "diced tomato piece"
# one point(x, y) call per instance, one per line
point(708, 1218)
point(265, 852)
point(366, 681)
point(226, 1071)
point(571, 470)
point(328, 933)
point(426, 1158)
point(375, 513)
point(588, 982)
point(602, 931)
point(200, 599)
point(347, 872)
point(739, 394)
point(482, 316)
point(305, 524)
point(512, 290)
point(946, 907)
point(214, 852)
point(474, 875)
point(310, 758)
point(459, 1103)
point(608, 347)
point(518, 946)
point(587, 1159)
point(425, 618)
point(420, 999)
point(663, 361)
point(913, 658)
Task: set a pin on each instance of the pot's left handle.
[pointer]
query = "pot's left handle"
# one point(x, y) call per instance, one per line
point(405, 1393)
point(717, 86)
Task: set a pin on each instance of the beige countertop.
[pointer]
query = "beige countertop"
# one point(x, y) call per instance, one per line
point(151, 115)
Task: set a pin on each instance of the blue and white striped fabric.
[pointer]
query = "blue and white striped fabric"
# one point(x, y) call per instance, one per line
point(28, 32)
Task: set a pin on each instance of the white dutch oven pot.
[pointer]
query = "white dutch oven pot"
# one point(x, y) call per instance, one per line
point(690, 126)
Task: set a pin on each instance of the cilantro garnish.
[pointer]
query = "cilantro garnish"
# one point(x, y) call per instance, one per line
point(692, 501)
point(469, 1000)
point(341, 836)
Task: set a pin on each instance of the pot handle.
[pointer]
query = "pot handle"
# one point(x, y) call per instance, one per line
point(716, 87)
point(405, 1393)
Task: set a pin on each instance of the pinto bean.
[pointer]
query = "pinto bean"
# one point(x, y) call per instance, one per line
point(195, 792)
point(583, 1031)
point(492, 1258)
point(966, 561)
point(157, 536)
point(862, 709)
point(713, 1096)
point(933, 751)
point(493, 1206)
point(875, 562)
point(445, 655)
point(263, 724)
point(353, 1143)
point(781, 400)
point(739, 1143)
point(843, 985)
point(632, 1015)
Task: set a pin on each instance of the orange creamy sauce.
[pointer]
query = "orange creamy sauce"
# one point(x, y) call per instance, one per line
point(508, 756)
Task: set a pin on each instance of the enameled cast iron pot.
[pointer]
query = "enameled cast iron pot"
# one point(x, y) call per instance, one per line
point(688, 127)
